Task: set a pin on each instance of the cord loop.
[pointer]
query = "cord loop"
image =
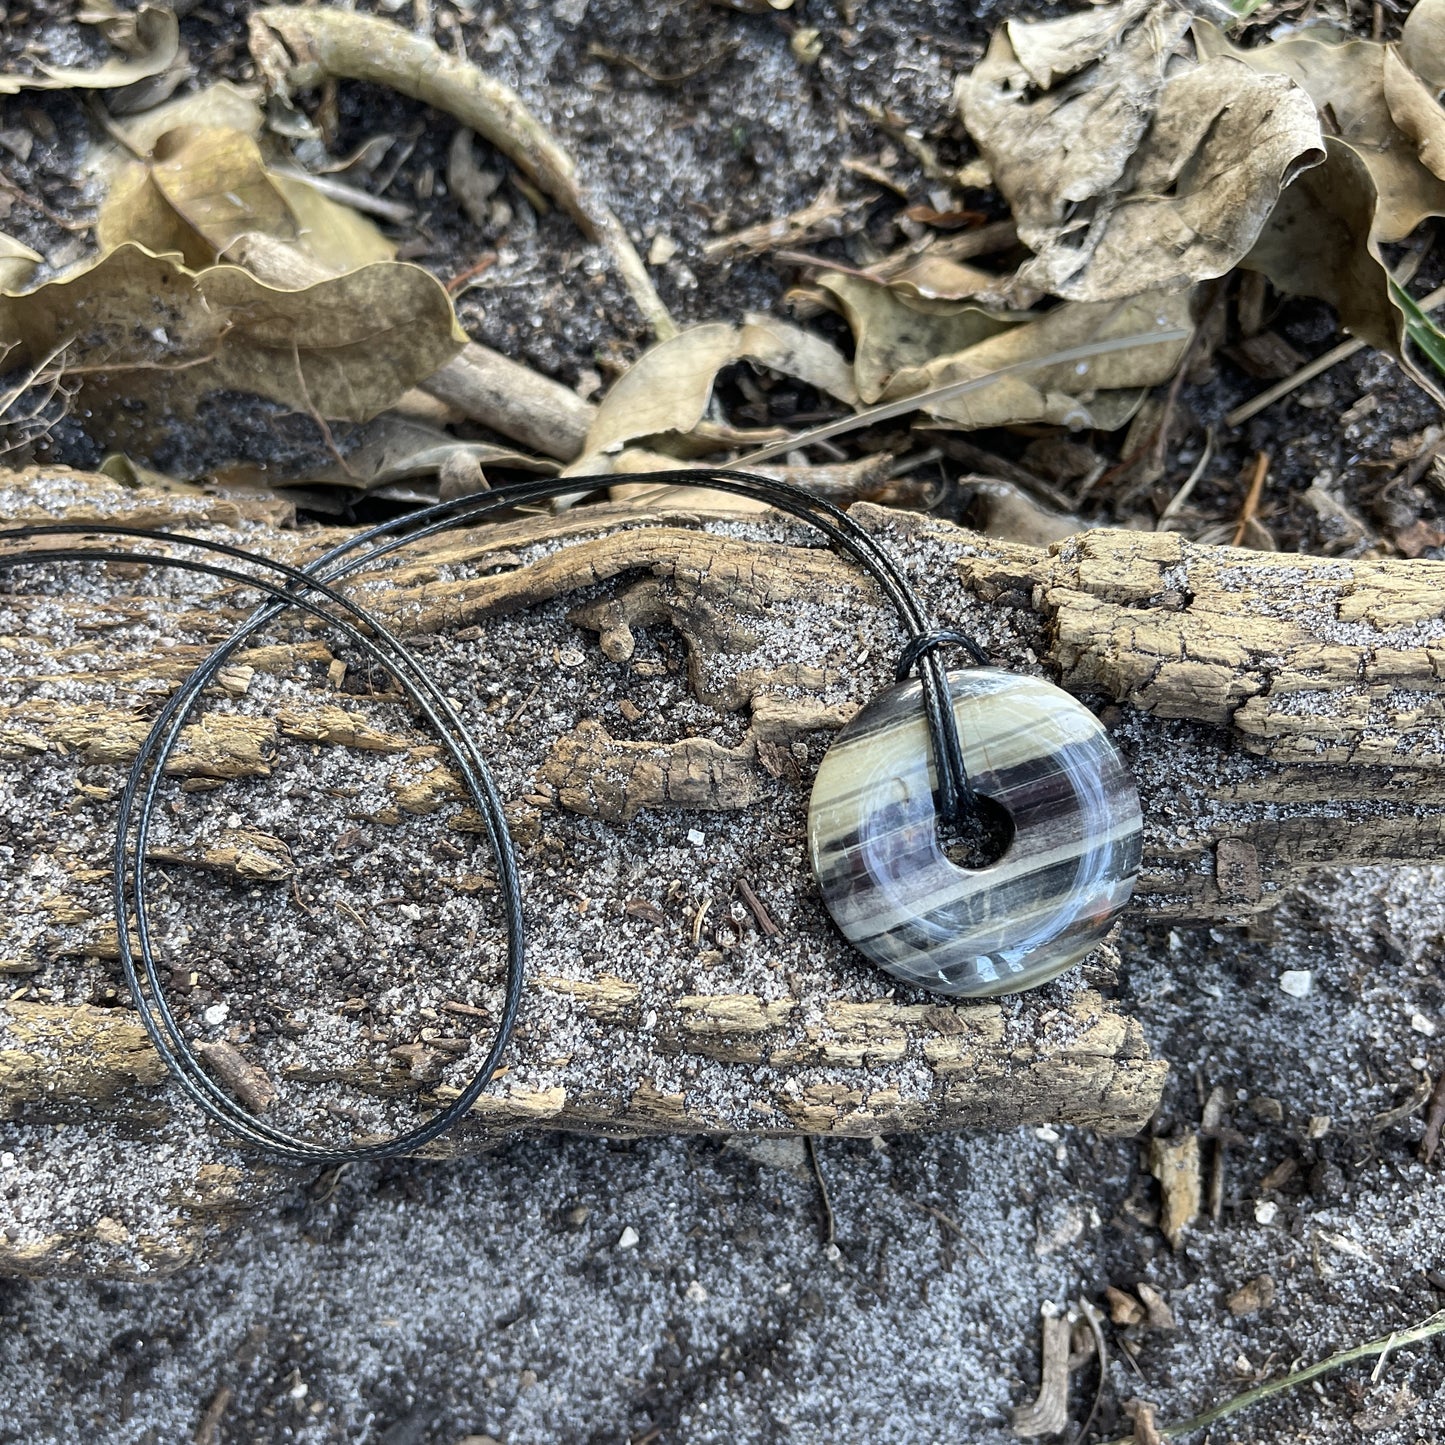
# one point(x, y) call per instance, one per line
point(312, 590)
point(917, 648)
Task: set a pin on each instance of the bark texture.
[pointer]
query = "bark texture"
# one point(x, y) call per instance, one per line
point(1280, 712)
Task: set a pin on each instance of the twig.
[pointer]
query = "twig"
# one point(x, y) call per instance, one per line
point(1395, 1340)
point(946, 1220)
point(1177, 501)
point(1434, 1121)
point(296, 46)
point(1251, 497)
point(463, 279)
point(36, 204)
point(829, 1230)
point(1096, 1328)
point(764, 918)
point(208, 1430)
point(512, 721)
point(766, 236)
point(1310, 370)
point(354, 196)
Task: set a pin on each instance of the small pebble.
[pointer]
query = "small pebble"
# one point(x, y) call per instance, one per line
point(696, 837)
point(628, 1239)
point(571, 657)
point(1422, 1025)
point(1266, 1211)
point(696, 1294)
point(7, 1160)
point(1297, 982)
point(215, 1016)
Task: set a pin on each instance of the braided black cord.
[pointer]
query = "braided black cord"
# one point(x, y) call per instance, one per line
point(956, 802)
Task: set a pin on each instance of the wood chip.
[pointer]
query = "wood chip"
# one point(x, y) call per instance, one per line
point(1157, 1312)
point(1177, 1168)
point(250, 1084)
point(1255, 1295)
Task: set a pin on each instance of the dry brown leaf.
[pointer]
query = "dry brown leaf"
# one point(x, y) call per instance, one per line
point(902, 351)
point(667, 390)
point(892, 332)
point(17, 263)
point(154, 40)
point(1346, 79)
point(1320, 242)
point(1413, 108)
point(345, 348)
point(1182, 162)
point(222, 106)
point(937, 278)
point(1115, 56)
point(206, 189)
point(1422, 42)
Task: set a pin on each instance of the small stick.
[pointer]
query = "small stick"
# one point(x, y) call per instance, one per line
point(759, 912)
point(1308, 372)
point(1434, 1121)
point(1251, 498)
point(526, 703)
point(1395, 1340)
point(1177, 501)
point(462, 279)
point(829, 1231)
point(208, 1431)
point(1096, 1328)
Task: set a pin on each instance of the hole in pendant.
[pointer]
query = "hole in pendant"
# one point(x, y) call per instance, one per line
point(983, 838)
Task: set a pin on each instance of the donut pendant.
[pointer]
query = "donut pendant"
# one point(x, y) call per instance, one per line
point(1070, 867)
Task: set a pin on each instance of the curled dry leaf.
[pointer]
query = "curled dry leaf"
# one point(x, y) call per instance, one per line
point(1183, 163)
point(222, 106)
point(343, 349)
point(1320, 242)
point(296, 46)
point(1422, 43)
point(204, 191)
point(902, 350)
point(152, 40)
point(666, 392)
point(17, 263)
point(1347, 80)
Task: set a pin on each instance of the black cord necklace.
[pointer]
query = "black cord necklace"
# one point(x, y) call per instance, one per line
point(938, 753)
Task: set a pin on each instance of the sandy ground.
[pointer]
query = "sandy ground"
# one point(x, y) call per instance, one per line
point(569, 1289)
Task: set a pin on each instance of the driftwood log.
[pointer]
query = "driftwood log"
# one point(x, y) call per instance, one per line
point(324, 896)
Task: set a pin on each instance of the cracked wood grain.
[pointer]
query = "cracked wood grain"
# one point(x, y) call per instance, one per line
point(1279, 713)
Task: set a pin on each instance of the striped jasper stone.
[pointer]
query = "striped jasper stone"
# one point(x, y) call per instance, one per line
point(1069, 869)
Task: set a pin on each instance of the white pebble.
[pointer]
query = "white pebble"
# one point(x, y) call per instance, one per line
point(7, 1160)
point(696, 1294)
point(1265, 1211)
point(696, 837)
point(628, 1239)
point(1297, 982)
point(571, 657)
point(1422, 1025)
point(299, 1390)
point(215, 1016)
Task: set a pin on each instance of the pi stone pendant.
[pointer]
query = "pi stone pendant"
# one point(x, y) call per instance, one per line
point(1070, 867)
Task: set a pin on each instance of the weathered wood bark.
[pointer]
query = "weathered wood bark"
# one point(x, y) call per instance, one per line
point(1280, 712)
